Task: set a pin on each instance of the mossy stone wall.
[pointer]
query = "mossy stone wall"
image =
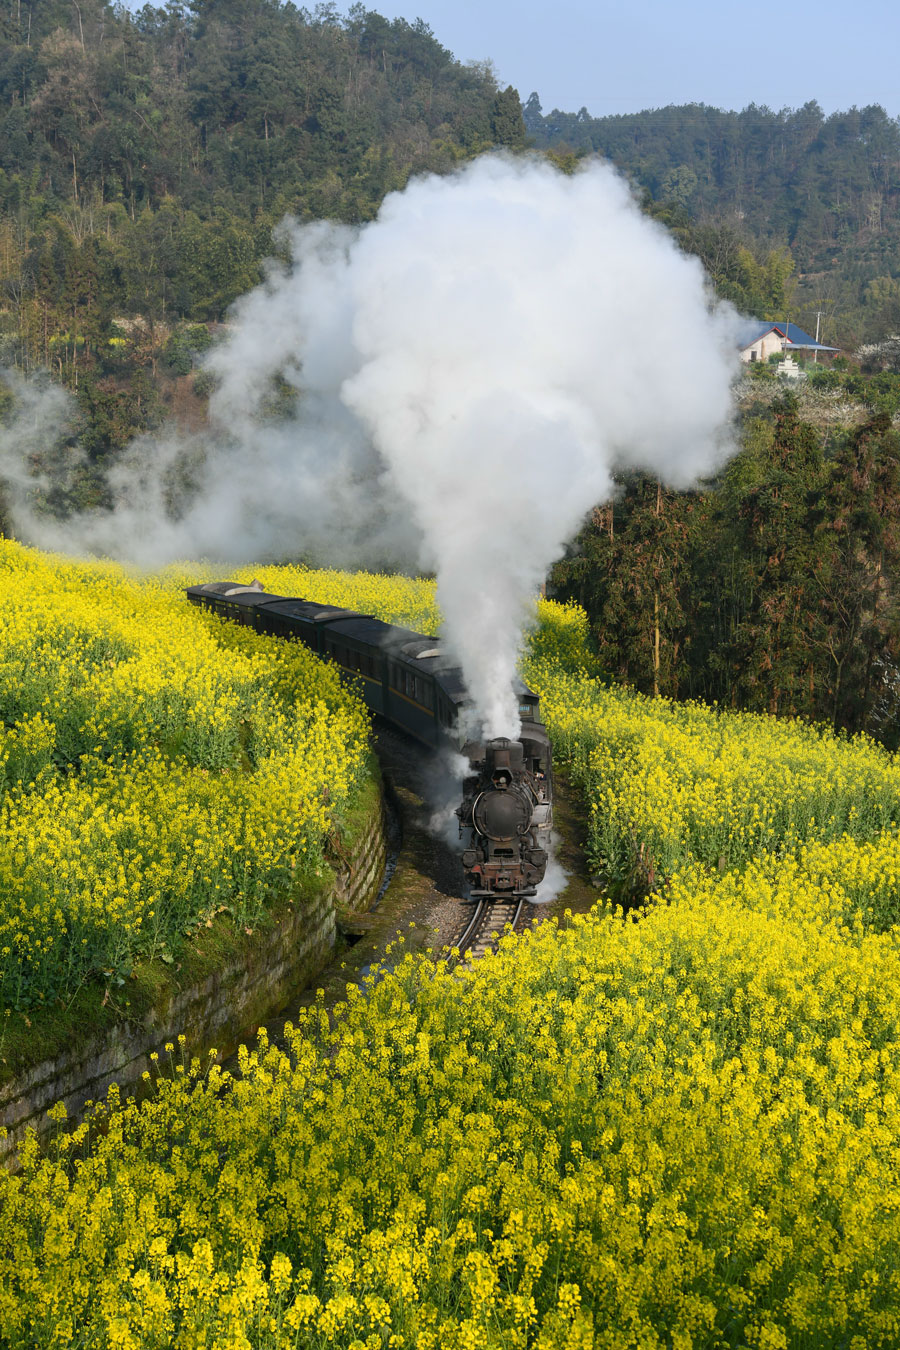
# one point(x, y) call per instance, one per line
point(217, 1011)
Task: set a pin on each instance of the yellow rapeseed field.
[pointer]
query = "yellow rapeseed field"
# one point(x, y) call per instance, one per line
point(408, 601)
point(157, 766)
point(674, 1132)
point(665, 782)
point(664, 1129)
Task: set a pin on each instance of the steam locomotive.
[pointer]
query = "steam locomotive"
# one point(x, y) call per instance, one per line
point(411, 681)
point(506, 814)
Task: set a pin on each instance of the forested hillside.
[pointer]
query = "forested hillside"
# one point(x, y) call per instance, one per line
point(145, 158)
point(825, 188)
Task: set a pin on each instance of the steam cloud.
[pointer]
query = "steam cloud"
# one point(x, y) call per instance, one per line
point(464, 375)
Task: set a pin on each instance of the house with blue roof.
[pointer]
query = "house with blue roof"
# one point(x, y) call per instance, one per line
point(760, 340)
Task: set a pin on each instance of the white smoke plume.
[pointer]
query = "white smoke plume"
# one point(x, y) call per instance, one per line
point(556, 878)
point(467, 371)
point(443, 785)
point(34, 456)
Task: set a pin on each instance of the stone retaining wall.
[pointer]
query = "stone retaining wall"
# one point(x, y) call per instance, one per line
point(359, 874)
point(218, 1012)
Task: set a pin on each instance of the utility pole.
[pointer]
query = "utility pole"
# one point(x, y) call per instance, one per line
point(815, 353)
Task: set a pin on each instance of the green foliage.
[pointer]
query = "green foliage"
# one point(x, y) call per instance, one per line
point(144, 158)
point(884, 392)
point(114, 415)
point(247, 107)
point(825, 379)
point(185, 344)
point(773, 589)
point(507, 126)
point(823, 188)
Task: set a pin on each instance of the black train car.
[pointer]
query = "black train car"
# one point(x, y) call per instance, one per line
point(409, 680)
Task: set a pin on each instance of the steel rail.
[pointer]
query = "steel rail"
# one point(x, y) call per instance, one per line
point(493, 929)
point(468, 933)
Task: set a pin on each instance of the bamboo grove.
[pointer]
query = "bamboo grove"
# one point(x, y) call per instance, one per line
point(772, 588)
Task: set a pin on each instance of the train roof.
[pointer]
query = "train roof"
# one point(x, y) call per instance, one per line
point(217, 587)
point(306, 611)
point(416, 649)
point(292, 607)
point(365, 628)
point(235, 592)
point(424, 653)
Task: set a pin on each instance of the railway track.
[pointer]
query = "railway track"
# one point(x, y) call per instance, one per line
point(487, 925)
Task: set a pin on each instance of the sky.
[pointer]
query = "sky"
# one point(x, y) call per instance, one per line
point(616, 58)
point(620, 57)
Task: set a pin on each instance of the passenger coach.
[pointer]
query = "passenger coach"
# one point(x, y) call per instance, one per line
point(404, 676)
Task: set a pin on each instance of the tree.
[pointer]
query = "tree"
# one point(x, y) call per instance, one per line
point(770, 647)
point(630, 572)
point(507, 126)
point(856, 611)
point(532, 114)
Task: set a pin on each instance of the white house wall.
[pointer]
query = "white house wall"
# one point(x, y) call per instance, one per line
point(766, 346)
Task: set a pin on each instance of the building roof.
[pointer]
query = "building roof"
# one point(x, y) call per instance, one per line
point(790, 332)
